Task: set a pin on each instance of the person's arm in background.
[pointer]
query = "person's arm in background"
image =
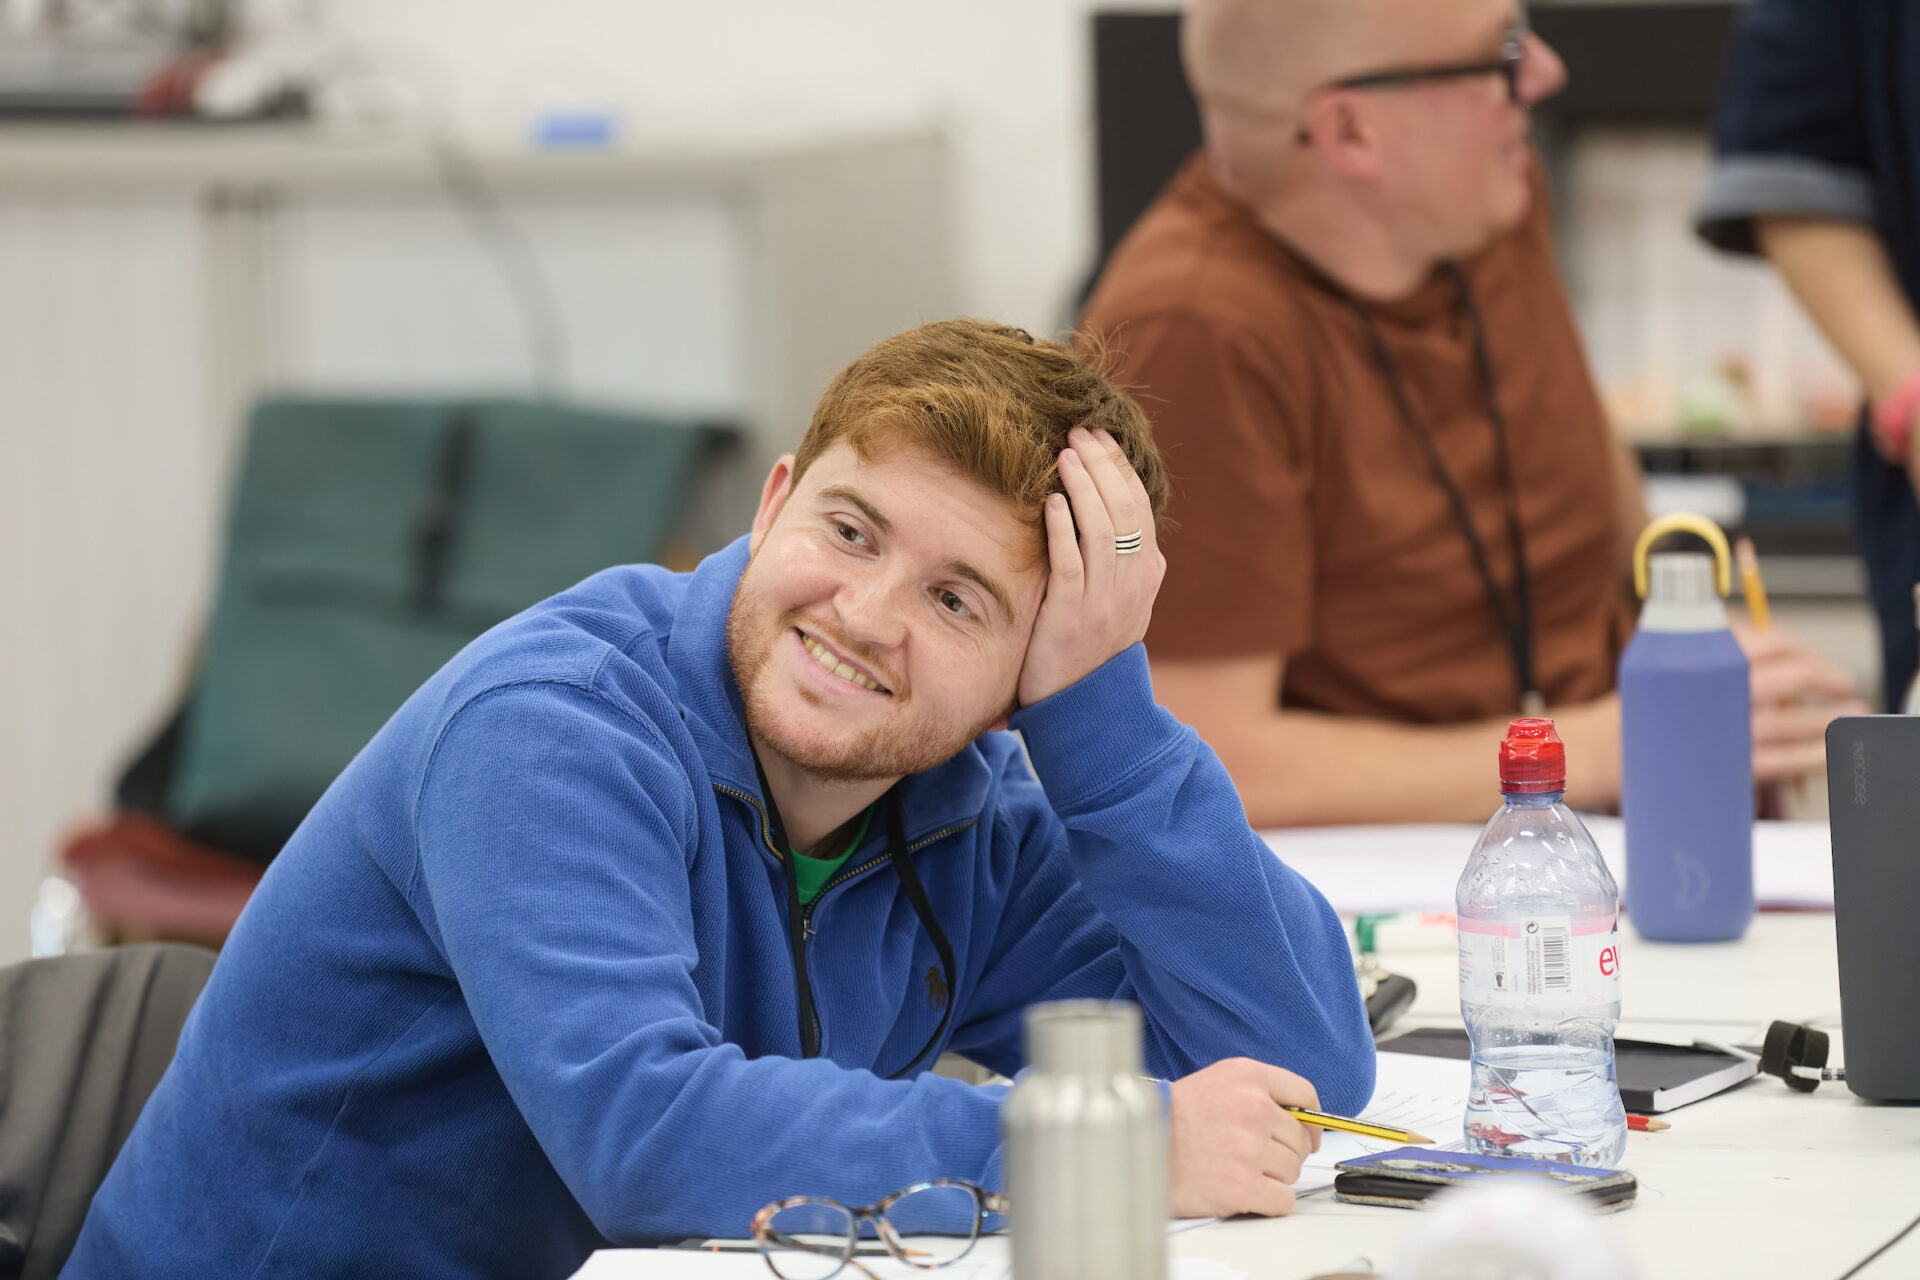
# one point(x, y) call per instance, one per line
point(1305, 768)
point(1840, 273)
point(1792, 180)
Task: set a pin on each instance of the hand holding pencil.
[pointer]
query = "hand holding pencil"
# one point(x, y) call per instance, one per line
point(1235, 1141)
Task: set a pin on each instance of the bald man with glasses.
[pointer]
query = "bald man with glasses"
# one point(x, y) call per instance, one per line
point(1399, 516)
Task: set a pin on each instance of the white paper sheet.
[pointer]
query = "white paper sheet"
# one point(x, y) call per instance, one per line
point(1411, 1091)
point(988, 1261)
point(1415, 868)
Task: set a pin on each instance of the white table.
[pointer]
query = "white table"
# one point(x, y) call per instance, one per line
point(1760, 1181)
point(1415, 867)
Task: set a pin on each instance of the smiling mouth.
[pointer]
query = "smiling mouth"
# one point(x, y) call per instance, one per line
point(836, 665)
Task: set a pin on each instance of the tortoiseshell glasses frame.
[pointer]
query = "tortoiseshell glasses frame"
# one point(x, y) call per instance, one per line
point(823, 1254)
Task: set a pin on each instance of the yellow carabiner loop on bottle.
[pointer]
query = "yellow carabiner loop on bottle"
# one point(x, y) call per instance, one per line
point(1684, 522)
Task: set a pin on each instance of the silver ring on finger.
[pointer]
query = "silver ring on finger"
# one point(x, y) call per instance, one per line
point(1125, 544)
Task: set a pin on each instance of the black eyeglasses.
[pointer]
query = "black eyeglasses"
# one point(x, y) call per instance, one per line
point(1512, 54)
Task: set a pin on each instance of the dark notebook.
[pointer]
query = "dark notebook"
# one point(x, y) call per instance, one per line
point(1653, 1077)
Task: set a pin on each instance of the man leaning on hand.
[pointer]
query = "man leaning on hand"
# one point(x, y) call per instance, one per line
point(1399, 516)
point(659, 901)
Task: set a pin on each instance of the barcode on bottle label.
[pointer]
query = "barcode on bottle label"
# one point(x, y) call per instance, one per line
point(1551, 943)
point(1541, 957)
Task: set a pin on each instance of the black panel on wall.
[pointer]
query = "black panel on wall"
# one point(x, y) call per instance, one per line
point(1145, 119)
point(1634, 64)
point(1657, 64)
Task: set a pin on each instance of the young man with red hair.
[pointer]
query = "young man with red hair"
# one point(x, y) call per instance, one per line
point(656, 904)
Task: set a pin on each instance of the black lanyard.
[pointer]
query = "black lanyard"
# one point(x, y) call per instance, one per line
point(1513, 618)
point(898, 854)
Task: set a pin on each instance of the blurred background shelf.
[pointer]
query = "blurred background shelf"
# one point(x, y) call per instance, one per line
point(1790, 495)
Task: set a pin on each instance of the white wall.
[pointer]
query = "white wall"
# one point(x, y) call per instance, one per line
point(1009, 79)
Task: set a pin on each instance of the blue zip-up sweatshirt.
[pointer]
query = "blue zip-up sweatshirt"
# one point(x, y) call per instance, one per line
point(521, 985)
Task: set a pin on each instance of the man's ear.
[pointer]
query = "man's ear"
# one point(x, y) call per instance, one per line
point(773, 496)
point(1342, 133)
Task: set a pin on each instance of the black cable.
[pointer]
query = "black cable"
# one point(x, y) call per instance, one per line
point(1516, 626)
point(901, 856)
point(493, 226)
point(1490, 389)
point(1861, 1265)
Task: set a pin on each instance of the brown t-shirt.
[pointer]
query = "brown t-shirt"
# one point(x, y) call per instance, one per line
point(1306, 519)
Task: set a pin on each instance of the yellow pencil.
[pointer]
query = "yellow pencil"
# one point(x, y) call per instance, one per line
point(1751, 585)
point(1321, 1120)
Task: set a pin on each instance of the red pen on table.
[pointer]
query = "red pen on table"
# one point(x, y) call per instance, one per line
point(1646, 1124)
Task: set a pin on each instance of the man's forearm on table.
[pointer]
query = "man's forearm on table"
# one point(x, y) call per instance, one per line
point(1305, 768)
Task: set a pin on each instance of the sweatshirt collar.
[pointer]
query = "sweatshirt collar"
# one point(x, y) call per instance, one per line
point(947, 795)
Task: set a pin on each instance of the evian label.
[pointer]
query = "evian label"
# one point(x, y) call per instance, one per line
point(1541, 959)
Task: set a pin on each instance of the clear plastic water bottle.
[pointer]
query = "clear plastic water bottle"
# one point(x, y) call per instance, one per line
point(1540, 969)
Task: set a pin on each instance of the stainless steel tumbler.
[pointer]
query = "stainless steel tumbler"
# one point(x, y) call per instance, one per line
point(1086, 1143)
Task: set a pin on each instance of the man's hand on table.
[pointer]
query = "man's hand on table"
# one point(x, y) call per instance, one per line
point(1233, 1149)
point(1098, 601)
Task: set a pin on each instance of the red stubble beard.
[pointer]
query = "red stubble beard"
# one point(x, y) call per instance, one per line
point(904, 744)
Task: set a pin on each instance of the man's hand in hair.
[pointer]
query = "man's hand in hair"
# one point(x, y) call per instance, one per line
point(1098, 600)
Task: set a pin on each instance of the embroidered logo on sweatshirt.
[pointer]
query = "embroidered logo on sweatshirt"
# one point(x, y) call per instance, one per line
point(936, 988)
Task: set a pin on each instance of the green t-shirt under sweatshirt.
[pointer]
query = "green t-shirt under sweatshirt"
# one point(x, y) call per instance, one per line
point(811, 874)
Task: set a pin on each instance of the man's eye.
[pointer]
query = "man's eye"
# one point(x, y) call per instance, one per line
point(847, 533)
point(954, 604)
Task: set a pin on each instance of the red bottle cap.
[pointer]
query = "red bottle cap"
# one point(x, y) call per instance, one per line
point(1532, 758)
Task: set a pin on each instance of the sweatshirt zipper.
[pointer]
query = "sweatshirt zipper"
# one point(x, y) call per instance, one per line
point(801, 930)
point(809, 1014)
point(798, 929)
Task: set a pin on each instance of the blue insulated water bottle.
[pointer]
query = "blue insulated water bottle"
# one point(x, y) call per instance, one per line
point(1686, 732)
